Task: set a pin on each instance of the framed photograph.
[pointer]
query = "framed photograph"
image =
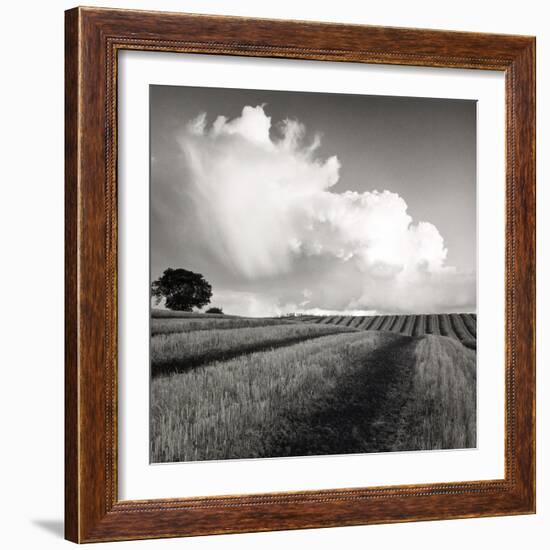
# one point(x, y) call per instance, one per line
point(300, 275)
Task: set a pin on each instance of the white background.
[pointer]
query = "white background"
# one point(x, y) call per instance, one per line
point(31, 218)
point(140, 480)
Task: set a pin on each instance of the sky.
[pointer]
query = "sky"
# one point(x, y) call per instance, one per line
point(317, 203)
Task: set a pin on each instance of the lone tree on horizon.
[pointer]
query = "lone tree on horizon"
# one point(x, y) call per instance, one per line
point(182, 289)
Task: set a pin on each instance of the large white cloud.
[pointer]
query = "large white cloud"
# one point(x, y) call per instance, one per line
point(265, 205)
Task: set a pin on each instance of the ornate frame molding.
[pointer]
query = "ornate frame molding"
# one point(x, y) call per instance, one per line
point(93, 38)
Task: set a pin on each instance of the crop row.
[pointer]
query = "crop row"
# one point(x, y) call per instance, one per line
point(352, 392)
point(179, 351)
point(174, 325)
point(460, 326)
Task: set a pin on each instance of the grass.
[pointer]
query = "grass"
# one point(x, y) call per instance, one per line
point(441, 408)
point(169, 326)
point(408, 326)
point(470, 321)
point(183, 350)
point(235, 409)
point(420, 326)
point(461, 327)
point(432, 325)
point(462, 332)
point(354, 392)
point(445, 325)
point(169, 314)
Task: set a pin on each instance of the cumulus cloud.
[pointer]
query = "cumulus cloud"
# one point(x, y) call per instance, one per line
point(265, 207)
point(265, 305)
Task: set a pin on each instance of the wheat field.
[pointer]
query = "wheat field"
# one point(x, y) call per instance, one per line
point(315, 386)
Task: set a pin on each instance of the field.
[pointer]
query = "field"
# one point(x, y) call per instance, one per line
point(227, 387)
point(179, 351)
point(460, 326)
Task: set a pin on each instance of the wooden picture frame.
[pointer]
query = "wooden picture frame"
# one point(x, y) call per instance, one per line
point(93, 511)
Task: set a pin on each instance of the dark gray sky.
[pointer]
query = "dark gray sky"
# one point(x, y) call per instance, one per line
point(422, 149)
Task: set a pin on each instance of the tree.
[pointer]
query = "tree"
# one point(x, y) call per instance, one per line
point(182, 290)
point(215, 310)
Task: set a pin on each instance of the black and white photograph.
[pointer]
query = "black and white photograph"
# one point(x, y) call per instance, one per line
point(313, 274)
point(248, 249)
